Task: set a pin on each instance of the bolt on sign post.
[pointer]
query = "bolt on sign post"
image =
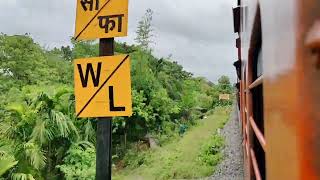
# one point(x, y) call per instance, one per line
point(102, 84)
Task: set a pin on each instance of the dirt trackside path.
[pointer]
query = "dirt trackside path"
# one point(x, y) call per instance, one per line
point(231, 168)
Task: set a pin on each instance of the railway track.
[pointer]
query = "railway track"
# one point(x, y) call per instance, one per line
point(232, 165)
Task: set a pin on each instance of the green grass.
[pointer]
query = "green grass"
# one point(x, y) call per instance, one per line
point(188, 157)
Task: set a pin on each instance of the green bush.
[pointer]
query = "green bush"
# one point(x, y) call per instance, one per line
point(135, 158)
point(210, 153)
point(80, 162)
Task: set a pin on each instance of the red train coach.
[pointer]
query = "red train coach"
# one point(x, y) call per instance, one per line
point(278, 71)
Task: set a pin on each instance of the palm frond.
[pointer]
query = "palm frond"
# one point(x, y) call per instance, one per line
point(60, 100)
point(89, 132)
point(73, 129)
point(6, 162)
point(60, 93)
point(71, 109)
point(43, 101)
point(41, 133)
point(6, 129)
point(39, 106)
point(61, 122)
point(22, 176)
point(6, 146)
point(35, 155)
point(17, 108)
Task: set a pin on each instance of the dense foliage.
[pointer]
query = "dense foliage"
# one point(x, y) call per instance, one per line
point(40, 137)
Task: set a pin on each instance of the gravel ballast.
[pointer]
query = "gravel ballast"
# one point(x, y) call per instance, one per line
point(231, 167)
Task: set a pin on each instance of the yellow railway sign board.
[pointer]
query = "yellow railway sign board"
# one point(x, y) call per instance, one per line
point(103, 86)
point(224, 97)
point(101, 19)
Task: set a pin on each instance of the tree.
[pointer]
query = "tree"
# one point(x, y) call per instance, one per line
point(67, 53)
point(39, 127)
point(224, 80)
point(225, 85)
point(22, 59)
point(144, 31)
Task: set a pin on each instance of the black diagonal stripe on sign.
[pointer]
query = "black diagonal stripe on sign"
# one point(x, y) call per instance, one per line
point(92, 20)
point(104, 83)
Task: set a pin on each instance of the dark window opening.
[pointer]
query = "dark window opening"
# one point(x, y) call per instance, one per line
point(258, 117)
point(257, 92)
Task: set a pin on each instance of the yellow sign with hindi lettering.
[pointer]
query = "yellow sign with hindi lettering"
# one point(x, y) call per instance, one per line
point(101, 19)
point(103, 86)
point(224, 97)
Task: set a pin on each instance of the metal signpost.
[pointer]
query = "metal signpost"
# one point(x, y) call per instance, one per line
point(102, 84)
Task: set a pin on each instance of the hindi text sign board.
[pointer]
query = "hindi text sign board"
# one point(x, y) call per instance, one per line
point(224, 97)
point(101, 19)
point(103, 86)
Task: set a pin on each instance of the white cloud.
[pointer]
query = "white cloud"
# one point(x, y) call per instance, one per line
point(197, 33)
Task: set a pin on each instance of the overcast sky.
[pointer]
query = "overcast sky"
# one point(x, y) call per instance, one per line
point(197, 33)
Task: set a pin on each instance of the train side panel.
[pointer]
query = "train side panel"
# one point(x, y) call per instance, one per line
point(290, 55)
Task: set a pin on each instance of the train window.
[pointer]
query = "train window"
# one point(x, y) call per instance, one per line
point(259, 64)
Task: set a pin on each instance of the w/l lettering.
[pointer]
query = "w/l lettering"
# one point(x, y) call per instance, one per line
point(95, 76)
point(89, 70)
